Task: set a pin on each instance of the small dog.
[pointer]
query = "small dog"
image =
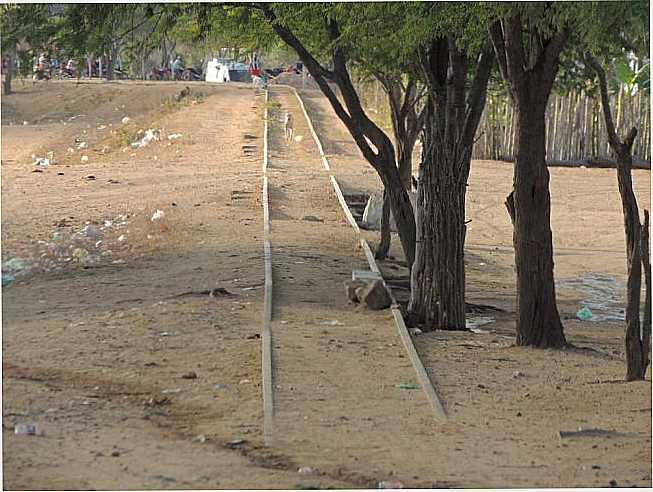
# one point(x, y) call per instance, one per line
point(288, 127)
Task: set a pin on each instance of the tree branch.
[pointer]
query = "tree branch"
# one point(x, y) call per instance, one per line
point(496, 37)
point(613, 138)
point(477, 94)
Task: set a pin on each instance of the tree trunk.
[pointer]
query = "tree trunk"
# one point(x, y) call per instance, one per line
point(636, 341)
point(538, 321)
point(10, 70)
point(646, 322)
point(438, 276)
point(634, 358)
point(386, 237)
point(402, 211)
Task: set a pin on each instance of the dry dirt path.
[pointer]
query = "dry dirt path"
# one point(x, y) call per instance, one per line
point(96, 355)
point(507, 404)
point(336, 367)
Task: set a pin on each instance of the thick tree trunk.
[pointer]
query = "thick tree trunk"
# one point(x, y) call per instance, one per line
point(386, 237)
point(438, 277)
point(538, 321)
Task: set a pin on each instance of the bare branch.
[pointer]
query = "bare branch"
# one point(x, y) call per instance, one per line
point(477, 94)
point(613, 138)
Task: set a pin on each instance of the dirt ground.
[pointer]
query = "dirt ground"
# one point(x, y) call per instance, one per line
point(139, 379)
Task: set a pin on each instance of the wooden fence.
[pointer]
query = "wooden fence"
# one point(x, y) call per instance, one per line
point(574, 125)
point(575, 128)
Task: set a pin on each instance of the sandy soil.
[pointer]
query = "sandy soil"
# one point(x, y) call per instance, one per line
point(100, 353)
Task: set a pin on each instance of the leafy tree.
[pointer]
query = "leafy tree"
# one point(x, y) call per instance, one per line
point(23, 23)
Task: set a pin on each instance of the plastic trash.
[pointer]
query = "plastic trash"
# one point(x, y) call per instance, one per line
point(92, 231)
point(584, 314)
point(80, 254)
point(121, 238)
point(408, 386)
point(125, 120)
point(14, 265)
point(174, 136)
point(306, 470)
point(42, 161)
point(333, 322)
point(26, 429)
point(158, 215)
point(299, 138)
point(391, 484)
point(82, 145)
point(150, 135)
point(84, 158)
point(7, 278)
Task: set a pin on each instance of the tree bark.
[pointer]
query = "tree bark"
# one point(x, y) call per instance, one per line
point(386, 236)
point(530, 80)
point(646, 322)
point(438, 278)
point(538, 320)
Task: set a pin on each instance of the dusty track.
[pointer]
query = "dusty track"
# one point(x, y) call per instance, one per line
point(87, 352)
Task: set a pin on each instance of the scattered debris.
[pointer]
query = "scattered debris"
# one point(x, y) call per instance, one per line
point(584, 314)
point(126, 120)
point(391, 484)
point(201, 439)
point(312, 218)
point(174, 136)
point(189, 375)
point(82, 145)
point(171, 391)
point(27, 429)
point(15, 265)
point(306, 470)
point(92, 231)
point(244, 381)
point(150, 136)
point(84, 158)
point(333, 322)
point(415, 331)
point(158, 215)
point(299, 138)
point(41, 161)
point(518, 374)
point(408, 386)
point(590, 432)
point(236, 442)
point(220, 386)
point(7, 279)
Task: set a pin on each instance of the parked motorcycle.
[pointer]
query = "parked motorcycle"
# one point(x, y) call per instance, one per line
point(160, 74)
point(192, 73)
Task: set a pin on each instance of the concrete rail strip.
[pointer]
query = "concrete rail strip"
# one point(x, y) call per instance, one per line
point(266, 332)
point(422, 375)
